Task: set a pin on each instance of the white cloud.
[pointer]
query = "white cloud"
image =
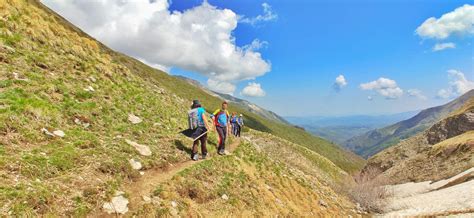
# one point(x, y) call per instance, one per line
point(385, 87)
point(443, 93)
point(199, 39)
point(255, 45)
point(442, 46)
point(460, 21)
point(339, 83)
point(370, 98)
point(221, 87)
point(253, 90)
point(268, 15)
point(416, 93)
point(458, 85)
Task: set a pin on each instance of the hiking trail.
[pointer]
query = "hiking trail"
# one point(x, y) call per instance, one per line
point(145, 185)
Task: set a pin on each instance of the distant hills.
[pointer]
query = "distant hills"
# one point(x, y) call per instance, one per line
point(376, 140)
point(340, 129)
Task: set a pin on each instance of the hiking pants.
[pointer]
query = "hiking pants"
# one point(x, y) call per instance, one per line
point(239, 128)
point(222, 131)
point(234, 129)
point(203, 140)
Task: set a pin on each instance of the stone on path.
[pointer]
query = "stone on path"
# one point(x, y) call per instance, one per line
point(119, 205)
point(142, 149)
point(136, 165)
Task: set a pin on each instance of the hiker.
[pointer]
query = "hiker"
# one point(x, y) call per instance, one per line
point(198, 123)
point(222, 123)
point(233, 123)
point(240, 125)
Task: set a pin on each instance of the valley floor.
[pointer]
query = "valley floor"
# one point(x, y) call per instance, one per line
point(446, 197)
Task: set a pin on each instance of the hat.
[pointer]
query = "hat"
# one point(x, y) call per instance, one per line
point(196, 102)
point(240, 115)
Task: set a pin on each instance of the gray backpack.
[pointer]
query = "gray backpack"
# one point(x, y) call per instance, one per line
point(193, 119)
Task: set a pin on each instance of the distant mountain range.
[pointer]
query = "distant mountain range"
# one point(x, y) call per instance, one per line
point(376, 140)
point(242, 103)
point(340, 129)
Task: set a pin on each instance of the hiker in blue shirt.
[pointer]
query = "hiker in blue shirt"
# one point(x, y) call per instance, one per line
point(222, 123)
point(200, 130)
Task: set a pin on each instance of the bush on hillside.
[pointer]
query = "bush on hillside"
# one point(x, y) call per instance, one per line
point(369, 190)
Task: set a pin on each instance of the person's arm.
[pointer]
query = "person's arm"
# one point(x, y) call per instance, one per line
point(205, 121)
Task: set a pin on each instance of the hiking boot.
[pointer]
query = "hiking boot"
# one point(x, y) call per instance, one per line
point(195, 157)
point(203, 156)
point(221, 152)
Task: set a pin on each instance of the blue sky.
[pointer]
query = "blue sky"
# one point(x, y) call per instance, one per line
point(310, 43)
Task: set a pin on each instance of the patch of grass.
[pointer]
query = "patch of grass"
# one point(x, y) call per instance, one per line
point(11, 40)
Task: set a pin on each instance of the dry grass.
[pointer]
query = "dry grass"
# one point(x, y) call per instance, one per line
point(369, 190)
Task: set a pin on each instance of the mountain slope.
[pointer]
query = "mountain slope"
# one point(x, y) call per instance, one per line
point(76, 117)
point(442, 151)
point(376, 140)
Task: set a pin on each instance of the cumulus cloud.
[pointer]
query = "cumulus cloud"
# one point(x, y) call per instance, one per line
point(339, 83)
point(253, 90)
point(460, 21)
point(221, 86)
point(199, 39)
point(416, 93)
point(443, 46)
point(268, 15)
point(385, 87)
point(458, 85)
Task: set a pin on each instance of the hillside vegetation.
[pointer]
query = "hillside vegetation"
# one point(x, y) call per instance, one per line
point(74, 115)
point(377, 140)
point(442, 151)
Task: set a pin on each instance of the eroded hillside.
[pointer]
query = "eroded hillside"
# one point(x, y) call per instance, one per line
point(442, 151)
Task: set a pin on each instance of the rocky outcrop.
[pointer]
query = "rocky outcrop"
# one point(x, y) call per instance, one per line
point(450, 127)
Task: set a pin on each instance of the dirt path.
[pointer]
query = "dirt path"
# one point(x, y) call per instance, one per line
point(150, 180)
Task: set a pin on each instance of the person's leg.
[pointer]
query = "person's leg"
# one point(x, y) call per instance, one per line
point(220, 132)
point(239, 128)
point(203, 140)
point(195, 149)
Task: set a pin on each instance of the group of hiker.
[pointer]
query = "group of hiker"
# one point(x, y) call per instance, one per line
point(223, 122)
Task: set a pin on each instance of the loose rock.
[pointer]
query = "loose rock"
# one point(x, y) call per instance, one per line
point(225, 197)
point(134, 119)
point(89, 89)
point(323, 203)
point(135, 164)
point(119, 204)
point(142, 149)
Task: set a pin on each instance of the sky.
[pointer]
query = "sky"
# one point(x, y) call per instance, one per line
point(299, 57)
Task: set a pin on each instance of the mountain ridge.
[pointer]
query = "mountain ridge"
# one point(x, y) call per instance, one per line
point(376, 140)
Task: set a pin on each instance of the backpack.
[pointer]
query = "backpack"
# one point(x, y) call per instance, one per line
point(193, 119)
point(216, 119)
